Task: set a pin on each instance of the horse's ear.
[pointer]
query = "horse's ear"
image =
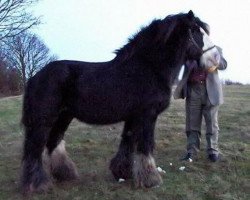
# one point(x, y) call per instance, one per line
point(190, 15)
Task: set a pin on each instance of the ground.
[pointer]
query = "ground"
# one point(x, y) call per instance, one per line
point(92, 147)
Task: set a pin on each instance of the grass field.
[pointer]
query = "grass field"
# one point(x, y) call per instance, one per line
point(92, 147)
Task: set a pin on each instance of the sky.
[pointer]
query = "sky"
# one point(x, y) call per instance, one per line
point(91, 30)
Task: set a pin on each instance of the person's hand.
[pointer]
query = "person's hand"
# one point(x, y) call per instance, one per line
point(211, 69)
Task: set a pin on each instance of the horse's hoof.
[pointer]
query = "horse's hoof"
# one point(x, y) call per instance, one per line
point(65, 172)
point(121, 168)
point(61, 166)
point(149, 179)
point(29, 189)
point(144, 172)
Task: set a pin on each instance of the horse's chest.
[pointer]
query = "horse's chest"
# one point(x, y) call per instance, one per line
point(159, 103)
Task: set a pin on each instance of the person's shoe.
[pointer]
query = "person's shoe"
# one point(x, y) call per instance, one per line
point(213, 157)
point(188, 157)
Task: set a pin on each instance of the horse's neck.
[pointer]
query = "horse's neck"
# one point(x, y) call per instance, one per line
point(170, 69)
point(166, 67)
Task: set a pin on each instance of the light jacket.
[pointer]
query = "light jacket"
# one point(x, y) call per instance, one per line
point(213, 84)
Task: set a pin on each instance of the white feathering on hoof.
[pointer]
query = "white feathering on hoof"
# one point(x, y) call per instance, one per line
point(145, 173)
point(60, 148)
point(62, 167)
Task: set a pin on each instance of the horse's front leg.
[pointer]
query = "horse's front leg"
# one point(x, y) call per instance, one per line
point(121, 164)
point(145, 173)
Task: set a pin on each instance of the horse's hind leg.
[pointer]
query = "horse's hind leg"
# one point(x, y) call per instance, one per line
point(34, 178)
point(121, 164)
point(61, 166)
point(145, 173)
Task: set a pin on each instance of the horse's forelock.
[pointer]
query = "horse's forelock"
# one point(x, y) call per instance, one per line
point(203, 25)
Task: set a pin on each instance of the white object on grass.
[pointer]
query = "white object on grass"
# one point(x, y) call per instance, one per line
point(121, 180)
point(161, 170)
point(182, 168)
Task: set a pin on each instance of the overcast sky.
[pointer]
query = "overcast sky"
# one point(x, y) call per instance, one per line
point(90, 30)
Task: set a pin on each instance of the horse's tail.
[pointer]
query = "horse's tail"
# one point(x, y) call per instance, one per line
point(27, 110)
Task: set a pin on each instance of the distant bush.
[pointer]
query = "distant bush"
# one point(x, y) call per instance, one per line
point(9, 81)
point(229, 82)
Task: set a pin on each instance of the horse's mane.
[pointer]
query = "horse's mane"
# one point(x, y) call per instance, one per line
point(137, 41)
point(151, 36)
point(148, 37)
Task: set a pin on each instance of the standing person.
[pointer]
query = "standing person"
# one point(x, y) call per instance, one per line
point(203, 92)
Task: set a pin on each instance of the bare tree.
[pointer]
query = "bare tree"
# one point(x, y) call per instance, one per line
point(3, 74)
point(14, 17)
point(27, 53)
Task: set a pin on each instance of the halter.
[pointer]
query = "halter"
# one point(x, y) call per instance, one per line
point(196, 45)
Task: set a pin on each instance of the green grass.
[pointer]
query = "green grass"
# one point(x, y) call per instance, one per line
point(92, 147)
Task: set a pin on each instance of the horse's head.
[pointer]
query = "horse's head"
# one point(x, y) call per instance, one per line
point(199, 45)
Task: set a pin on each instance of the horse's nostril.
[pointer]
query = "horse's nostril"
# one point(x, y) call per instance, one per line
point(217, 57)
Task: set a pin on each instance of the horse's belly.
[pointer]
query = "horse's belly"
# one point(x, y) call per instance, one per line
point(98, 121)
point(100, 114)
point(99, 118)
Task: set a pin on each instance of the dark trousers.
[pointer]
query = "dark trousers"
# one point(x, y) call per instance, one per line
point(198, 106)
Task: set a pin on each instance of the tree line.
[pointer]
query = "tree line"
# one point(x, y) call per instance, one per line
point(22, 53)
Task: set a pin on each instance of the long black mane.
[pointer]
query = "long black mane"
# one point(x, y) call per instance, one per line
point(141, 41)
point(149, 39)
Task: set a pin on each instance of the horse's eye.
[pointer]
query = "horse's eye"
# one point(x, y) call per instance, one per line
point(197, 30)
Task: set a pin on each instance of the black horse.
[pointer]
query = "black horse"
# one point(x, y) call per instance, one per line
point(134, 87)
